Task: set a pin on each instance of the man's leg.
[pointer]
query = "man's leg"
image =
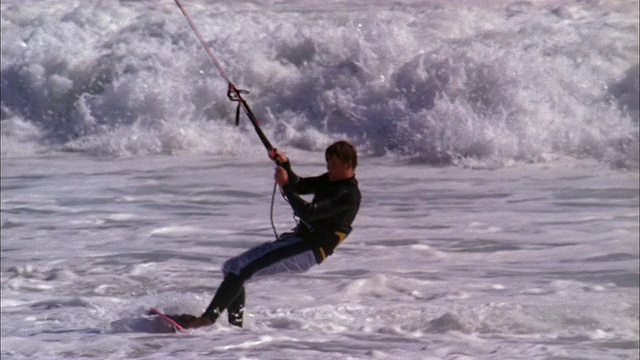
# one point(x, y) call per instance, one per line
point(230, 290)
point(291, 254)
point(236, 309)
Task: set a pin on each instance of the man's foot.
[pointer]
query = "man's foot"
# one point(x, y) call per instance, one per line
point(236, 318)
point(189, 321)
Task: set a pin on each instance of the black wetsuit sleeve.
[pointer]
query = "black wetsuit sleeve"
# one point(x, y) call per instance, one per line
point(301, 185)
point(328, 207)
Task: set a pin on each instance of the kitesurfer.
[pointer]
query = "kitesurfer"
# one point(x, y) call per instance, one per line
point(323, 224)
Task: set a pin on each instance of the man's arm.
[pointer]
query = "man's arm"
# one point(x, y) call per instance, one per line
point(300, 185)
point(339, 202)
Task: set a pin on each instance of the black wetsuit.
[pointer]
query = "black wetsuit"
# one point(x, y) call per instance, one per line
point(326, 220)
point(324, 224)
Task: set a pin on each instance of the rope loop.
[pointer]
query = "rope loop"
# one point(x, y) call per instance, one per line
point(234, 93)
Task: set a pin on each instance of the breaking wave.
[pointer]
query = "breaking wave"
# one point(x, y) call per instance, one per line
point(431, 82)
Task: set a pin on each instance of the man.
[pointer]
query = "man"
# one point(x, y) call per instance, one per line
point(324, 223)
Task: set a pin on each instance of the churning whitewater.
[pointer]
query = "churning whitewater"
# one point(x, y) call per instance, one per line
point(498, 146)
point(439, 83)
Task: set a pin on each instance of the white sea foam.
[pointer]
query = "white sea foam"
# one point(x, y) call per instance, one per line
point(126, 185)
point(420, 277)
point(467, 84)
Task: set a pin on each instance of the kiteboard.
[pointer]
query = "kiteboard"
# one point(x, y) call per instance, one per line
point(166, 319)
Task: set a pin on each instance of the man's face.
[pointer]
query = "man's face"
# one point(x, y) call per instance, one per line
point(337, 170)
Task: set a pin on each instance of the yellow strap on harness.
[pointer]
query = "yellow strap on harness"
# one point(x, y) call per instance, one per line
point(322, 253)
point(341, 236)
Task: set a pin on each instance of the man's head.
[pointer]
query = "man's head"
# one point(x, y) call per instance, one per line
point(342, 160)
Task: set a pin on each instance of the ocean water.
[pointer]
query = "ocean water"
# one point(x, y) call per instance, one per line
point(498, 147)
